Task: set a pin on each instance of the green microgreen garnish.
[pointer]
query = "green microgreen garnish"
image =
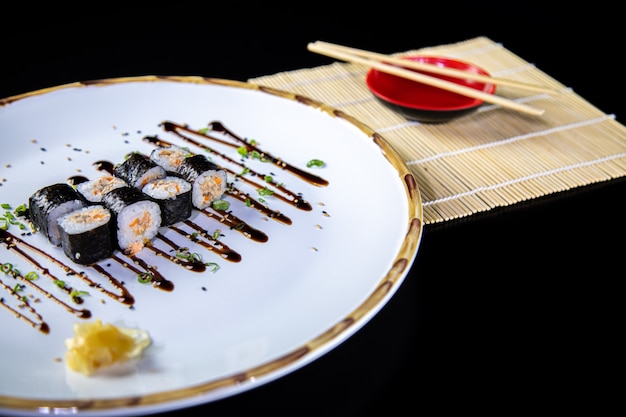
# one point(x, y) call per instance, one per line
point(145, 277)
point(315, 163)
point(10, 218)
point(188, 256)
point(265, 191)
point(77, 294)
point(220, 205)
point(31, 276)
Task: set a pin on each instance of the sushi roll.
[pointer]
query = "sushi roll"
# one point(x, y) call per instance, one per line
point(207, 179)
point(138, 170)
point(87, 235)
point(173, 194)
point(169, 157)
point(137, 218)
point(93, 190)
point(48, 204)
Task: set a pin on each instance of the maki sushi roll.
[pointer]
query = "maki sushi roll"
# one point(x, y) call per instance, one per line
point(173, 194)
point(207, 179)
point(169, 157)
point(48, 204)
point(138, 170)
point(93, 190)
point(137, 218)
point(87, 235)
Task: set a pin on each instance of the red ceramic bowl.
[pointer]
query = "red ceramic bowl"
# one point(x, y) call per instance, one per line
point(425, 103)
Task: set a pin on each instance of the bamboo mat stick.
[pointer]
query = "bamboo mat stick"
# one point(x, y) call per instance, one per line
point(425, 79)
point(451, 72)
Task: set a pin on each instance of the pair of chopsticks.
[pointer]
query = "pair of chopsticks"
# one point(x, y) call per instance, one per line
point(389, 64)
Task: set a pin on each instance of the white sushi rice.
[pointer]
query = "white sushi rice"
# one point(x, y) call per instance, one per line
point(208, 187)
point(152, 174)
point(167, 188)
point(84, 219)
point(54, 234)
point(93, 190)
point(169, 157)
point(137, 224)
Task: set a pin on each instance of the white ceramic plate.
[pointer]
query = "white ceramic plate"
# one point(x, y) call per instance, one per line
point(287, 301)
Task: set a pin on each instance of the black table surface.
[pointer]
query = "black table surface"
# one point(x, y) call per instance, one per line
point(517, 309)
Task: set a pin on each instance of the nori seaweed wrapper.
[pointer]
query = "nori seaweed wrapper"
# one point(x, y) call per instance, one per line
point(118, 199)
point(175, 208)
point(49, 203)
point(123, 203)
point(193, 166)
point(137, 170)
point(90, 245)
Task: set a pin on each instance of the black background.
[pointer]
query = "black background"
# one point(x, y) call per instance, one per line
point(515, 310)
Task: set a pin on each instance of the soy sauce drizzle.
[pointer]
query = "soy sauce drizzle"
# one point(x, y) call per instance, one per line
point(235, 223)
point(13, 242)
point(38, 323)
point(219, 127)
point(188, 263)
point(124, 297)
point(226, 252)
point(157, 279)
point(251, 202)
point(294, 199)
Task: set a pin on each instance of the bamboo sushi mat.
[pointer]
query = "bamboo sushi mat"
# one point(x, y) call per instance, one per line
point(493, 158)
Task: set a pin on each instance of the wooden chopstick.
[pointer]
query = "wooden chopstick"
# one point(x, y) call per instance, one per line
point(425, 79)
point(451, 72)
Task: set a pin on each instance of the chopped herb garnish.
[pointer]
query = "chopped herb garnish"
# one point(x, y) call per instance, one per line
point(188, 256)
point(145, 277)
point(213, 266)
point(9, 218)
point(265, 191)
point(31, 276)
point(221, 205)
point(21, 210)
point(315, 163)
point(59, 283)
point(77, 294)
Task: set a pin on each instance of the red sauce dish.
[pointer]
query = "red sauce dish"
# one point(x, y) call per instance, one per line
point(425, 103)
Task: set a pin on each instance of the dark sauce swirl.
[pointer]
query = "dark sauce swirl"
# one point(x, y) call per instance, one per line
point(134, 263)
